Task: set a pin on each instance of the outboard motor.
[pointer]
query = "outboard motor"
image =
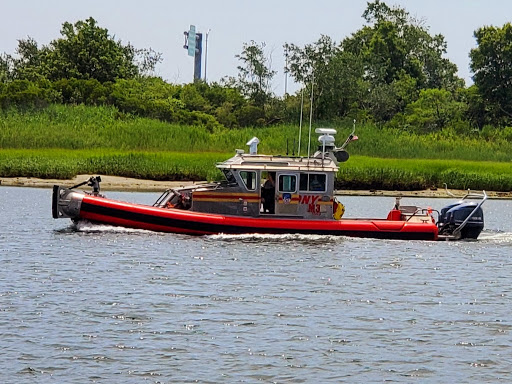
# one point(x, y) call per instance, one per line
point(462, 220)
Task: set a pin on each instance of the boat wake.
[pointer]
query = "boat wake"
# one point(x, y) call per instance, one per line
point(276, 238)
point(83, 226)
point(496, 237)
point(88, 227)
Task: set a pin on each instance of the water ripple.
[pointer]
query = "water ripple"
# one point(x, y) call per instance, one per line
point(91, 303)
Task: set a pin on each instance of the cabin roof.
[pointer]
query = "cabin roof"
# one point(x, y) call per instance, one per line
point(243, 161)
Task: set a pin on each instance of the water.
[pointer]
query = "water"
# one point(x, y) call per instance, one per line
point(106, 305)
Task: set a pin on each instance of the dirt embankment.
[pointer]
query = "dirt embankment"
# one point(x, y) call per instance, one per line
point(108, 183)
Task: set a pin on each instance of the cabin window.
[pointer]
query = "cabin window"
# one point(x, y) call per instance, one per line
point(287, 183)
point(303, 183)
point(312, 182)
point(229, 176)
point(249, 179)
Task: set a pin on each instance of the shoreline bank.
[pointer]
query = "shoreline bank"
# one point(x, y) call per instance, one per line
point(117, 183)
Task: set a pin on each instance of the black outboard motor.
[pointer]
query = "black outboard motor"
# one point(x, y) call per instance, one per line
point(462, 220)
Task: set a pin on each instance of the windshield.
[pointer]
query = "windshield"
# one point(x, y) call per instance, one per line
point(229, 176)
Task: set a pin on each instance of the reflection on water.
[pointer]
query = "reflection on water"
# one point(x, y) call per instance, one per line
point(92, 303)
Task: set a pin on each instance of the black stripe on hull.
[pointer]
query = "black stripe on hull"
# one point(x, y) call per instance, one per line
point(192, 226)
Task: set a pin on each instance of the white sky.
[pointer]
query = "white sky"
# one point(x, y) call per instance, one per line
point(160, 24)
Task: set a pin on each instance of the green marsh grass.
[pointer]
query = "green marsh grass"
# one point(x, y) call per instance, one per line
point(360, 172)
point(63, 141)
point(83, 127)
point(65, 164)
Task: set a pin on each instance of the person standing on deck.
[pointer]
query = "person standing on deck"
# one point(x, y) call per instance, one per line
point(268, 194)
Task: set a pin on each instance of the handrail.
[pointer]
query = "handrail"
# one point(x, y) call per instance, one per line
point(469, 194)
point(413, 214)
point(423, 211)
point(474, 195)
point(162, 197)
point(447, 191)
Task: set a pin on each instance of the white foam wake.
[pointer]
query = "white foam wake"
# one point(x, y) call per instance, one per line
point(496, 237)
point(258, 237)
point(87, 226)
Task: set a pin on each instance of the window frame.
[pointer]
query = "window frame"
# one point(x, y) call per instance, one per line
point(279, 178)
point(229, 176)
point(308, 182)
point(244, 180)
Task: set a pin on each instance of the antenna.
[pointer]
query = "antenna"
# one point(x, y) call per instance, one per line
point(350, 137)
point(300, 123)
point(206, 53)
point(285, 71)
point(311, 111)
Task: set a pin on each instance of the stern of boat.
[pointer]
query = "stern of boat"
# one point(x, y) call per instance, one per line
point(66, 203)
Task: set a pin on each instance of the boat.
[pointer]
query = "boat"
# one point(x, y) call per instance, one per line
point(271, 194)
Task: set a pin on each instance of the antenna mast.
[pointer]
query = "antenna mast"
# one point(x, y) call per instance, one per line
point(311, 112)
point(300, 123)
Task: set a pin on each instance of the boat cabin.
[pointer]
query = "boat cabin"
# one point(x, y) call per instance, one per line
point(264, 185)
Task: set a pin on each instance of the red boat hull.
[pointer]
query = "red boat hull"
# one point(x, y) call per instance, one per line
point(101, 210)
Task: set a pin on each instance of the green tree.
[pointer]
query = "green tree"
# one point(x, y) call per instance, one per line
point(477, 110)
point(385, 100)
point(434, 110)
point(146, 60)
point(26, 94)
point(89, 92)
point(255, 73)
point(491, 63)
point(379, 69)
point(87, 51)
point(397, 51)
point(336, 76)
point(223, 102)
point(395, 42)
point(28, 63)
point(4, 68)
point(84, 52)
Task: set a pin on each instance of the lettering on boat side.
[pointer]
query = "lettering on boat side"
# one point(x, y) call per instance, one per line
point(308, 199)
point(312, 202)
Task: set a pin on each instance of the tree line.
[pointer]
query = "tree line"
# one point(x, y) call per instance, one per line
point(391, 72)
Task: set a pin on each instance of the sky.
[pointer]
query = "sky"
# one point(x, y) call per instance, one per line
point(159, 24)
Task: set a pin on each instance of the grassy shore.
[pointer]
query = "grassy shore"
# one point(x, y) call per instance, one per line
point(65, 164)
point(360, 172)
point(62, 141)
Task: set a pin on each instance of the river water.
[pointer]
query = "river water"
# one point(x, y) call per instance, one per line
point(100, 304)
